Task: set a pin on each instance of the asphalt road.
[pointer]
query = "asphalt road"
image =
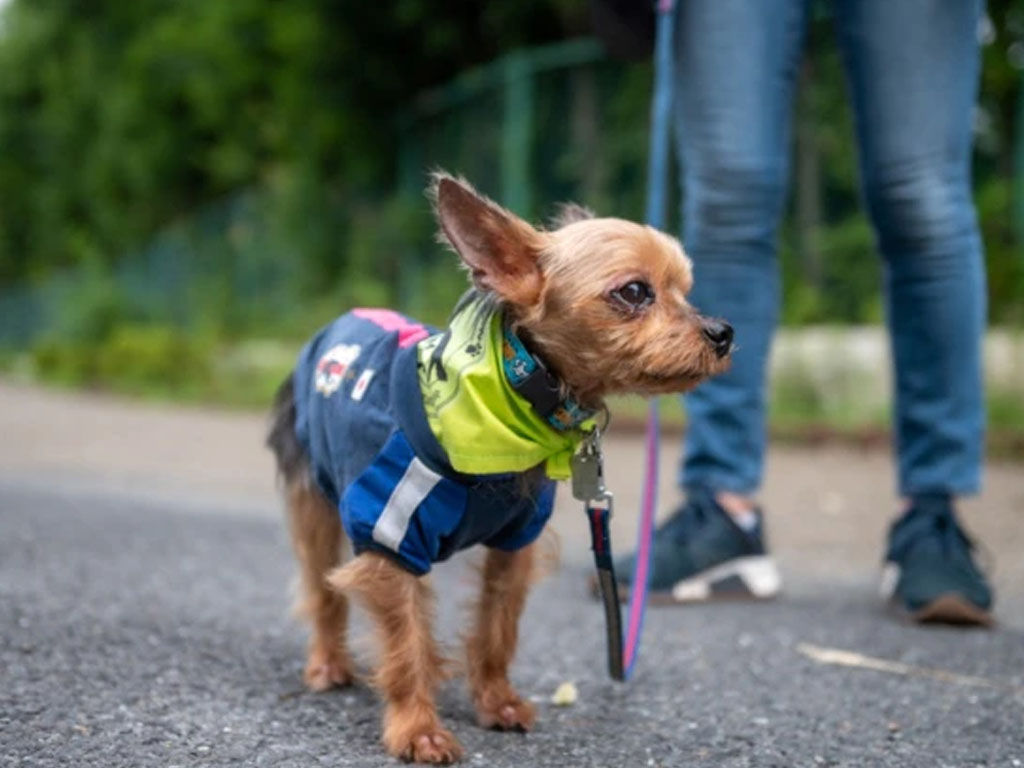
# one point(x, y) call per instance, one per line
point(149, 633)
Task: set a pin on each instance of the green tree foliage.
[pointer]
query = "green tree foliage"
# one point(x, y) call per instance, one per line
point(117, 117)
point(828, 257)
point(120, 121)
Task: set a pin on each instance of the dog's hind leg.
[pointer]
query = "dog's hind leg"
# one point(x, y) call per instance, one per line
point(317, 537)
point(492, 644)
point(410, 665)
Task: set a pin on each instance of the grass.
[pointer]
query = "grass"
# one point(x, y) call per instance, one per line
point(156, 363)
point(152, 364)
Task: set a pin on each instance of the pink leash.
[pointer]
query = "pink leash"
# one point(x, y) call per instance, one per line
point(588, 486)
point(644, 538)
point(657, 183)
point(588, 482)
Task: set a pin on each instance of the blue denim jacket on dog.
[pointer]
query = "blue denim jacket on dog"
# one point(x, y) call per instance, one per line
point(360, 418)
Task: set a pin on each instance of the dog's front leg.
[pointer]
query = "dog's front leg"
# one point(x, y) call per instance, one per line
point(492, 644)
point(410, 665)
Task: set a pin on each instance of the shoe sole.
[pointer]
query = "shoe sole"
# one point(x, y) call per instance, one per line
point(949, 608)
point(751, 578)
point(954, 609)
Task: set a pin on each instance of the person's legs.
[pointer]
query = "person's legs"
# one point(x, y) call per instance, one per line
point(913, 73)
point(735, 72)
point(736, 65)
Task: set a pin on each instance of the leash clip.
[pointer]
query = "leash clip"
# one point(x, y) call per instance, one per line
point(588, 473)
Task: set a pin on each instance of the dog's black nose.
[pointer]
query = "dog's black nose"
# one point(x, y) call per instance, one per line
point(719, 333)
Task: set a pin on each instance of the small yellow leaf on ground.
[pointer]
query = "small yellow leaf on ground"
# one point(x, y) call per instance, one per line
point(565, 695)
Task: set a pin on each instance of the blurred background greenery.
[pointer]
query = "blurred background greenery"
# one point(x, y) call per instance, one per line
point(187, 188)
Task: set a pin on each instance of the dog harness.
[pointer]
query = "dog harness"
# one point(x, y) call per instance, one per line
point(422, 438)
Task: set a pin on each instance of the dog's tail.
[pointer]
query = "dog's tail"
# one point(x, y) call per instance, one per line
point(292, 464)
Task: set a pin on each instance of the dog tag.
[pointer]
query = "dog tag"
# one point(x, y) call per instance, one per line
point(588, 471)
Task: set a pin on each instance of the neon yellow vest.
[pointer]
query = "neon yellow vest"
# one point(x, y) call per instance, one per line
point(484, 425)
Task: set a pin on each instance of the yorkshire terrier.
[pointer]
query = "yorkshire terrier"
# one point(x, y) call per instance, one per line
point(415, 443)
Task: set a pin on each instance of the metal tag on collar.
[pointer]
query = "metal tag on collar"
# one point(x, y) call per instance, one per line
point(588, 470)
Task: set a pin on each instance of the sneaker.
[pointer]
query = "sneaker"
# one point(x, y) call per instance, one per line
point(700, 553)
point(930, 571)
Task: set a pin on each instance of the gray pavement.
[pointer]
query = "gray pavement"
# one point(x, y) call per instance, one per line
point(144, 580)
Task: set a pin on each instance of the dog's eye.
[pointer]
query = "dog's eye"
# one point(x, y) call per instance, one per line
point(635, 294)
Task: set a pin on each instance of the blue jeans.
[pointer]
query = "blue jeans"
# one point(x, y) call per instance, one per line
point(912, 68)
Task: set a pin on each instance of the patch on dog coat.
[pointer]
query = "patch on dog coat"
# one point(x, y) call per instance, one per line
point(332, 367)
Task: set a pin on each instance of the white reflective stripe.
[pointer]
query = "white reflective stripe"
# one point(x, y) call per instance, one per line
point(416, 483)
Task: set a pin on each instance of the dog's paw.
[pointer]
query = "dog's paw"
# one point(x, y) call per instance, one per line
point(505, 711)
point(323, 673)
point(436, 746)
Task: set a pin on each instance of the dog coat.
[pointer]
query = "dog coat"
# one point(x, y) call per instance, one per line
point(419, 439)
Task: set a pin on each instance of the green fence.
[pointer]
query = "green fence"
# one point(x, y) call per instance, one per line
point(538, 113)
point(221, 268)
point(535, 127)
point(531, 129)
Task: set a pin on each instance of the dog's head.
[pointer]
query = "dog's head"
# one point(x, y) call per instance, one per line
point(603, 301)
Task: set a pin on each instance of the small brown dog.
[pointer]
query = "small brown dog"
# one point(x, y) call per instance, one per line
point(428, 442)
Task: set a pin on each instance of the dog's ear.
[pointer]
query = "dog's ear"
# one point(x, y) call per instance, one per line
point(500, 249)
point(570, 213)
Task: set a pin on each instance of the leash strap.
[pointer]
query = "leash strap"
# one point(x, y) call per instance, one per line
point(623, 649)
point(661, 114)
point(602, 542)
point(657, 187)
point(588, 486)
